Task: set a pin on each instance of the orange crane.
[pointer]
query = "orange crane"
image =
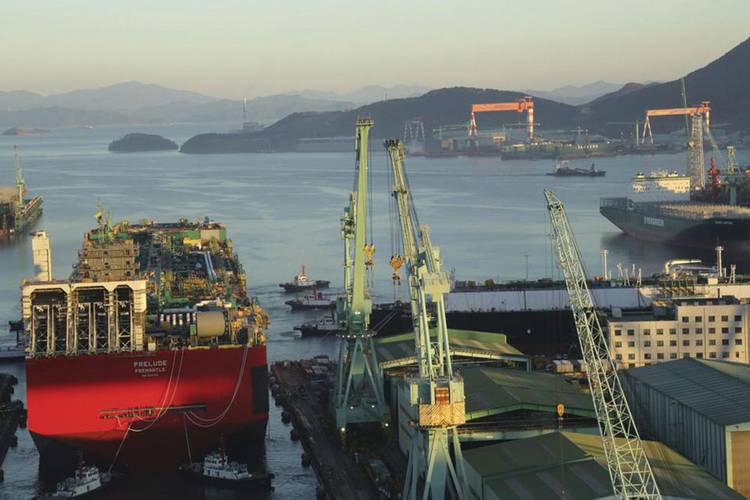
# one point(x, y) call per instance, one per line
point(520, 105)
point(704, 108)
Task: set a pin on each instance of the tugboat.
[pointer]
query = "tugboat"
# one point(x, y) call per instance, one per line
point(315, 301)
point(563, 169)
point(86, 480)
point(301, 283)
point(217, 468)
point(323, 327)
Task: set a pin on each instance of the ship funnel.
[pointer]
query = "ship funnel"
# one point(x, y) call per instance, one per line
point(42, 254)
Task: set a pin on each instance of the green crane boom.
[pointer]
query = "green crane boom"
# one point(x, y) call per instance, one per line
point(359, 388)
point(436, 394)
point(629, 468)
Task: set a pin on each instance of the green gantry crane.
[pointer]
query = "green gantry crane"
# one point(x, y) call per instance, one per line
point(359, 385)
point(436, 394)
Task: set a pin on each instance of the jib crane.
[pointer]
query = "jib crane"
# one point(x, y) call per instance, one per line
point(436, 394)
point(629, 468)
point(359, 389)
point(520, 105)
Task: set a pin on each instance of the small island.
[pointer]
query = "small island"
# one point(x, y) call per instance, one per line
point(25, 131)
point(142, 142)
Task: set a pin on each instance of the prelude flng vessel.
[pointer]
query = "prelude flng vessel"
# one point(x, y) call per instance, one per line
point(150, 353)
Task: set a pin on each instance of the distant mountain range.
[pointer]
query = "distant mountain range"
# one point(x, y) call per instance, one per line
point(725, 82)
point(575, 95)
point(365, 95)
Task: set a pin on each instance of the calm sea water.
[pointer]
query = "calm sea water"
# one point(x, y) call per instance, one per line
point(283, 210)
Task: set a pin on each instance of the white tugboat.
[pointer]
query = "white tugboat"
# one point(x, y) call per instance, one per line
point(216, 467)
point(86, 480)
point(301, 283)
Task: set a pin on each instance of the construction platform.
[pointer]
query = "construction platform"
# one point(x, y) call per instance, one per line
point(363, 464)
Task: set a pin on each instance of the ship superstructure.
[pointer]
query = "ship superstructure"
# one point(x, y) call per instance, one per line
point(17, 212)
point(149, 352)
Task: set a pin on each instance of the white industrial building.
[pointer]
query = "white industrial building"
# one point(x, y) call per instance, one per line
point(686, 328)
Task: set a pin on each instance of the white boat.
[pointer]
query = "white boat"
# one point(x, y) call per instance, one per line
point(216, 467)
point(301, 282)
point(86, 480)
point(326, 325)
point(316, 301)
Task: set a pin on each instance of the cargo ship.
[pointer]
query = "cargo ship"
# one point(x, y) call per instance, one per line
point(151, 353)
point(661, 210)
point(17, 213)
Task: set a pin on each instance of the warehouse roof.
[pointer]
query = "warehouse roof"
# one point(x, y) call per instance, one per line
point(719, 390)
point(398, 350)
point(492, 390)
point(572, 465)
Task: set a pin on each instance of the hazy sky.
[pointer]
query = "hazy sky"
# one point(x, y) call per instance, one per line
point(231, 47)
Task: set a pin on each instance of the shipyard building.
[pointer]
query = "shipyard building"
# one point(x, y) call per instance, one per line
point(686, 328)
point(699, 408)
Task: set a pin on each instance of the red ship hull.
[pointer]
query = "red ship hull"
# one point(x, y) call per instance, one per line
point(148, 410)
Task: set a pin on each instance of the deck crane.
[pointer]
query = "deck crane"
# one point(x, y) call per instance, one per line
point(436, 394)
point(520, 105)
point(629, 468)
point(359, 389)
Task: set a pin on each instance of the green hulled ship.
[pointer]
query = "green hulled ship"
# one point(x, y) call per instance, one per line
point(17, 212)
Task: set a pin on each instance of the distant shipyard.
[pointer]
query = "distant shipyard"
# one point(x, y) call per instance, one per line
point(17, 212)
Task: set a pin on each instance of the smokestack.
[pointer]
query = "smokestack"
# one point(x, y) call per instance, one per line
point(42, 254)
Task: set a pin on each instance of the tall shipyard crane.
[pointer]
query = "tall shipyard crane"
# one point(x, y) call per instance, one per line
point(520, 105)
point(629, 469)
point(700, 122)
point(359, 388)
point(436, 394)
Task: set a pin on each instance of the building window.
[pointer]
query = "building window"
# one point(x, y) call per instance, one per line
point(618, 332)
point(672, 355)
point(737, 329)
point(699, 331)
point(699, 342)
point(711, 319)
point(738, 318)
point(686, 343)
point(647, 331)
point(631, 344)
point(685, 319)
point(618, 344)
point(659, 343)
point(685, 331)
point(725, 318)
point(618, 357)
point(646, 343)
point(712, 342)
point(724, 329)
point(711, 354)
point(736, 355)
point(647, 355)
point(631, 356)
point(724, 341)
point(659, 355)
point(724, 354)
point(686, 355)
point(660, 331)
point(631, 332)
point(712, 330)
point(737, 341)
point(672, 343)
point(698, 319)
point(631, 365)
point(699, 355)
